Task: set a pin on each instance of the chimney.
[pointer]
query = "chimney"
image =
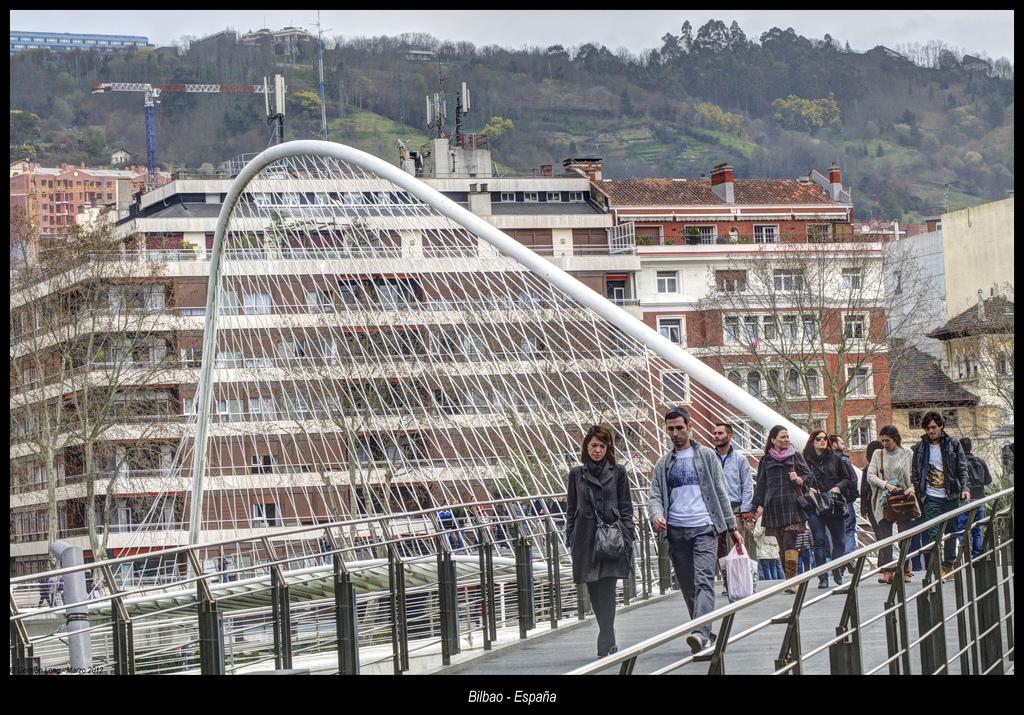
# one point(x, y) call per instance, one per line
point(835, 181)
point(545, 170)
point(981, 306)
point(588, 166)
point(721, 182)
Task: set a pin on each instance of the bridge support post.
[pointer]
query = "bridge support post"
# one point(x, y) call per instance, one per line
point(121, 627)
point(22, 660)
point(488, 620)
point(346, 620)
point(845, 656)
point(399, 632)
point(987, 581)
point(211, 623)
point(930, 614)
point(282, 620)
point(554, 575)
point(645, 557)
point(790, 651)
point(1006, 559)
point(447, 593)
point(524, 584)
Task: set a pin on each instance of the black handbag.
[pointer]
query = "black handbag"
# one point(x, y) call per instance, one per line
point(609, 544)
point(837, 504)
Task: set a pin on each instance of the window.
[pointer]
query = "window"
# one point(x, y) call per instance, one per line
point(668, 282)
point(853, 327)
point(751, 328)
point(789, 280)
point(766, 234)
point(265, 515)
point(774, 384)
point(230, 410)
point(862, 430)
point(671, 328)
point(319, 302)
point(1004, 365)
point(731, 281)
point(792, 383)
point(263, 407)
point(577, 196)
point(819, 232)
point(858, 381)
point(852, 279)
point(810, 327)
point(257, 303)
point(735, 378)
point(771, 328)
point(229, 304)
point(754, 383)
point(732, 330)
point(705, 234)
point(508, 197)
point(789, 327)
point(673, 388)
point(262, 464)
point(191, 357)
point(530, 196)
point(950, 417)
point(554, 196)
point(813, 384)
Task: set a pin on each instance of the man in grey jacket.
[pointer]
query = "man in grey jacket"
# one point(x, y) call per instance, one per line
point(689, 507)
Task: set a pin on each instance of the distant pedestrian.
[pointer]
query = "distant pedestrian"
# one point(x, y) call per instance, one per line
point(739, 483)
point(941, 480)
point(980, 478)
point(769, 568)
point(48, 592)
point(850, 535)
point(781, 477)
point(690, 507)
point(889, 473)
point(598, 492)
point(94, 592)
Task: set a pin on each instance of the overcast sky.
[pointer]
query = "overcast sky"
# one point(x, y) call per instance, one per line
point(990, 31)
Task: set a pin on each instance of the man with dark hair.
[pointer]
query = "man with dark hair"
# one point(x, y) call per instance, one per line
point(979, 478)
point(939, 474)
point(690, 507)
point(739, 483)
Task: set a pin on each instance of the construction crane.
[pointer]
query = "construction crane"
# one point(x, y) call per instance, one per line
point(152, 94)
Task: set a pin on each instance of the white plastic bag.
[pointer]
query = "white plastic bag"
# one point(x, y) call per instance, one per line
point(738, 571)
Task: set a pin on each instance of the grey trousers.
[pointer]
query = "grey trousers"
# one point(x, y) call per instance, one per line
point(693, 553)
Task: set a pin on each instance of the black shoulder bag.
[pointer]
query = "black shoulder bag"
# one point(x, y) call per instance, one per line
point(609, 544)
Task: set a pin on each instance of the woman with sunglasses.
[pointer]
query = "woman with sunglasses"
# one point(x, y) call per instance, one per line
point(829, 477)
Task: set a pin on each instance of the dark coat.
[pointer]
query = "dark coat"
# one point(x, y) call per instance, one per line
point(954, 466)
point(776, 493)
point(610, 492)
point(830, 471)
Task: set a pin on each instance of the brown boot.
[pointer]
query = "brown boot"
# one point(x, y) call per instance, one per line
point(790, 561)
point(908, 575)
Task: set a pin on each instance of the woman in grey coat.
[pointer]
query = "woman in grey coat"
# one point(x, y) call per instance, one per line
point(602, 484)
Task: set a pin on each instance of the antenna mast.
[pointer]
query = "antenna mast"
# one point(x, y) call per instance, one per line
point(323, 104)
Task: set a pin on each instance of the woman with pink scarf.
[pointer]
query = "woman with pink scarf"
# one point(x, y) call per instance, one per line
point(780, 480)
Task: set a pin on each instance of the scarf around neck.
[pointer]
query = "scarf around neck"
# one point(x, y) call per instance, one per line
point(781, 456)
point(596, 469)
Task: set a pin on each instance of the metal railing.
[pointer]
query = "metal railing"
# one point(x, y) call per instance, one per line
point(980, 614)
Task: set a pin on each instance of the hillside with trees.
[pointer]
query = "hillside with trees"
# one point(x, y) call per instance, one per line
point(913, 131)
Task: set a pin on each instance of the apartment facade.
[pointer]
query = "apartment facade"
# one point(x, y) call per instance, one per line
point(64, 41)
point(725, 269)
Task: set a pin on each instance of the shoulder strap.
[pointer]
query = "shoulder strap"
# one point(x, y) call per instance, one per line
point(881, 461)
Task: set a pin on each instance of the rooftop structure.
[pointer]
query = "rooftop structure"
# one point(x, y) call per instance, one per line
point(64, 41)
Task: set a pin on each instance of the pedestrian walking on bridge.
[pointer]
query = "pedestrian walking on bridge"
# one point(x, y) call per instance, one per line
point(598, 493)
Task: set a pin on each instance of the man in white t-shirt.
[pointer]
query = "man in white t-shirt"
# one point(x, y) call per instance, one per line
point(939, 475)
point(690, 507)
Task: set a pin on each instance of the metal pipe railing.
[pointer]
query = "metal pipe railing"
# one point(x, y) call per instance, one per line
point(627, 657)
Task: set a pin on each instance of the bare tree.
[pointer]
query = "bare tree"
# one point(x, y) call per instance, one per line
point(808, 323)
point(90, 332)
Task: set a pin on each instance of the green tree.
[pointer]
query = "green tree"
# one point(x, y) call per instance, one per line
point(496, 127)
point(24, 127)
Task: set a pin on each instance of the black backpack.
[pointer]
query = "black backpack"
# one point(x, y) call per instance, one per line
point(977, 472)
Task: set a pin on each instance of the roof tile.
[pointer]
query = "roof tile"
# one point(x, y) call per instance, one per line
point(697, 192)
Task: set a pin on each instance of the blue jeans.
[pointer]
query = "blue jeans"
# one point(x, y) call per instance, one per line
point(961, 524)
point(770, 570)
point(804, 562)
point(823, 527)
point(850, 542)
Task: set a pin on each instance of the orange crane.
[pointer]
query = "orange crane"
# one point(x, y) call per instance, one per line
point(152, 94)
